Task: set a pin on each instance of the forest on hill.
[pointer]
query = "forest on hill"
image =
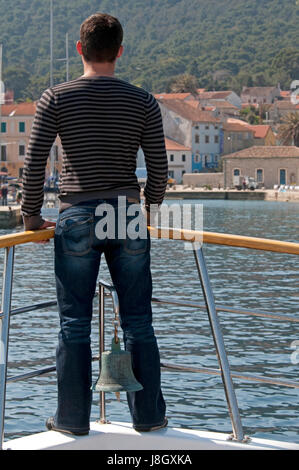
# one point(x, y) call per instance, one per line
point(225, 44)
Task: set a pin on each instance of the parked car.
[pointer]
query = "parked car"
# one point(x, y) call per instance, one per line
point(249, 181)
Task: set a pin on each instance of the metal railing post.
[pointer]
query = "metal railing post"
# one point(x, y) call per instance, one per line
point(219, 344)
point(4, 332)
point(102, 348)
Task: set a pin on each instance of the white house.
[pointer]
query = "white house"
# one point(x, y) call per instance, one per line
point(194, 128)
point(179, 159)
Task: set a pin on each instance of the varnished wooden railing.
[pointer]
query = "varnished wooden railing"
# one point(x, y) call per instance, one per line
point(225, 239)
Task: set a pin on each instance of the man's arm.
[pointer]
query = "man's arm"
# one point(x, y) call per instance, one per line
point(153, 146)
point(43, 135)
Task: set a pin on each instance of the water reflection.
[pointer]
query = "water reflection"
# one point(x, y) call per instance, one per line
point(239, 277)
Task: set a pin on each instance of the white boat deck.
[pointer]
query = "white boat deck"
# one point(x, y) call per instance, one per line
point(121, 436)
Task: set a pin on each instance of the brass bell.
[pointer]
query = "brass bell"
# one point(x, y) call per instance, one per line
point(116, 371)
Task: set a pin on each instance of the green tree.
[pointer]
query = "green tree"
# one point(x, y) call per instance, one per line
point(16, 79)
point(184, 83)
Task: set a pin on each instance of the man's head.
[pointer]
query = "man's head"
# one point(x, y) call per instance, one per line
point(101, 36)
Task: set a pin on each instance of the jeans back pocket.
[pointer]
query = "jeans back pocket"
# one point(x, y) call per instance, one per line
point(76, 233)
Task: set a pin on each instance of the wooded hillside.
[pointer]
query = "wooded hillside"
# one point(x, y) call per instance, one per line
point(224, 43)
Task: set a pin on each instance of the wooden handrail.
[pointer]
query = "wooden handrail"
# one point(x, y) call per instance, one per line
point(215, 238)
point(227, 239)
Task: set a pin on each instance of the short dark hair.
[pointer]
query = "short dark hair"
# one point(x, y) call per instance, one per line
point(101, 36)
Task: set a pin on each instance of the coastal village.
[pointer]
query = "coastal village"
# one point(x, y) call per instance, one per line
point(215, 140)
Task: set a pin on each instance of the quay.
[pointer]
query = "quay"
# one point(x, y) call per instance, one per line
point(10, 216)
point(257, 195)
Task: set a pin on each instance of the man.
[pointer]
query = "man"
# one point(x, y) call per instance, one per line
point(4, 193)
point(101, 121)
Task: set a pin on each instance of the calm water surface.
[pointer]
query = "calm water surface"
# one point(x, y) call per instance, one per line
point(239, 277)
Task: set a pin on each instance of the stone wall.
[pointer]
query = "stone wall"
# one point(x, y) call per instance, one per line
point(203, 179)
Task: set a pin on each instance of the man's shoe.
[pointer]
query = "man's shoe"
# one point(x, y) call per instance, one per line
point(51, 427)
point(152, 428)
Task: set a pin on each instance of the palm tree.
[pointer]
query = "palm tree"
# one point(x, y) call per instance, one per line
point(288, 132)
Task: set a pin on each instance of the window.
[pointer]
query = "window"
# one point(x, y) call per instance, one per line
point(183, 172)
point(207, 126)
point(216, 158)
point(216, 139)
point(21, 126)
point(216, 126)
point(260, 175)
point(171, 157)
point(236, 172)
point(196, 158)
point(196, 127)
point(21, 150)
point(183, 158)
point(20, 172)
point(196, 138)
point(3, 153)
point(3, 127)
point(207, 139)
point(206, 159)
point(171, 174)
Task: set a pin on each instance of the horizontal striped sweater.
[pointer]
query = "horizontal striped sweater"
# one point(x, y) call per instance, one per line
point(101, 121)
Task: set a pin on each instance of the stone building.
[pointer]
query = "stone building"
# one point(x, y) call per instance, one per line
point(270, 165)
point(227, 96)
point(280, 109)
point(236, 136)
point(260, 95)
point(16, 123)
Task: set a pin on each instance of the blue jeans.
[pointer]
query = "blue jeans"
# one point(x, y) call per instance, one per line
point(77, 260)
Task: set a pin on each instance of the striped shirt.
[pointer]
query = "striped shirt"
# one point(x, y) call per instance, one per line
point(102, 122)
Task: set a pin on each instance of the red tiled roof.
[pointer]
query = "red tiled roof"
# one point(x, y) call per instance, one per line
point(222, 104)
point(173, 145)
point(260, 151)
point(247, 105)
point(172, 96)
point(260, 130)
point(236, 127)
point(238, 121)
point(187, 111)
point(257, 90)
point(285, 93)
point(214, 95)
point(20, 109)
point(284, 104)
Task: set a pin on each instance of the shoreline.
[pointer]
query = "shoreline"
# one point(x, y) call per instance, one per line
point(233, 194)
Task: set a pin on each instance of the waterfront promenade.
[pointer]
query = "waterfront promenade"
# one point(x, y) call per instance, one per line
point(181, 192)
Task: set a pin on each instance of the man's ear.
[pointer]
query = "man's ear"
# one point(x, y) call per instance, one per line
point(120, 52)
point(79, 48)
